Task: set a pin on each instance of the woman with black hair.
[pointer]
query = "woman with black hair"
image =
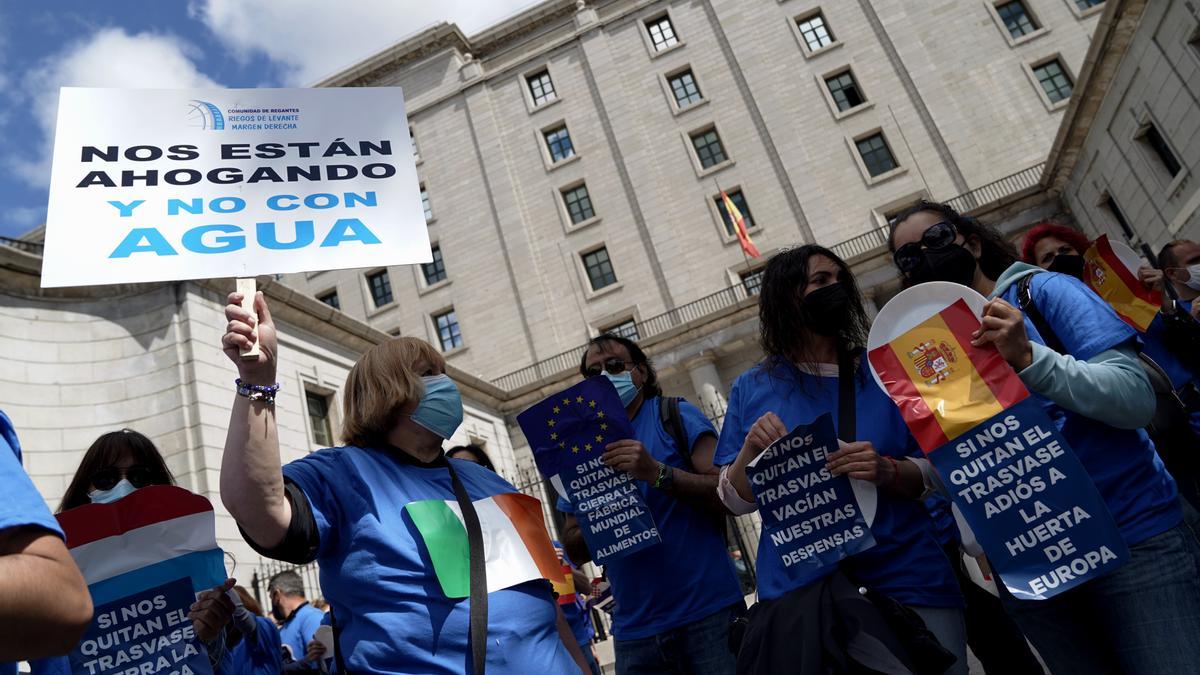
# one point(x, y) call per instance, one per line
point(1144, 616)
point(813, 327)
point(471, 453)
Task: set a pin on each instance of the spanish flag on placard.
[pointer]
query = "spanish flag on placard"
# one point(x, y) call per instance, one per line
point(739, 226)
point(943, 385)
point(1106, 274)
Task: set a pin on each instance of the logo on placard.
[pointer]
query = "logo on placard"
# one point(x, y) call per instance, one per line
point(205, 115)
point(933, 361)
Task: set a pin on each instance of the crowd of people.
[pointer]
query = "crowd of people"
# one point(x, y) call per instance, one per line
point(904, 605)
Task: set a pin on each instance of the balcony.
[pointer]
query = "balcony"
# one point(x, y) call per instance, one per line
point(21, 245)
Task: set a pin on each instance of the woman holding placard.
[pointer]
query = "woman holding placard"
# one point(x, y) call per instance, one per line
point(813, 327)
point(1144, 616)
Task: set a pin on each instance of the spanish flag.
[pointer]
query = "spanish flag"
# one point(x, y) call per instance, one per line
point(739, 226)
point(1111, 279)
point(943, 386)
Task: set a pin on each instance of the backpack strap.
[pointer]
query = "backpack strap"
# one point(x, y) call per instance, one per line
point(1029, 307)
point(672, 421)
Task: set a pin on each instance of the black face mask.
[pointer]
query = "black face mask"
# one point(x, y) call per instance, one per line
point(826, 311)
point(1068, 264)
point(953, 263)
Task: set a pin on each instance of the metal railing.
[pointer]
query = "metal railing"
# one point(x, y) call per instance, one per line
point(310, 574)
point(22, 245)
point(863, 243)
point(998, 189)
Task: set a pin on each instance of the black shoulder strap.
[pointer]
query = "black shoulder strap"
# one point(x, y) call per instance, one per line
point(672, 421)
point(847, 408)
point(1025, 299)
point(337, 643)
point(479, 597)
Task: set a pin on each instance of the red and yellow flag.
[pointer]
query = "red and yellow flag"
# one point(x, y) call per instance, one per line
point(942, 384)
point(739, 226)
point(1119, 287)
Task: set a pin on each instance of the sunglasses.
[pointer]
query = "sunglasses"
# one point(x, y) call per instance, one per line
point(139, 476)
point(613, 366)
point(909, 256)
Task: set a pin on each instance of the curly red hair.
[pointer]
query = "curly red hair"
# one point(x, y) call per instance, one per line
point(1047, 229)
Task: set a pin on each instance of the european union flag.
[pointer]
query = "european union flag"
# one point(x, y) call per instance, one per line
point(574, 425)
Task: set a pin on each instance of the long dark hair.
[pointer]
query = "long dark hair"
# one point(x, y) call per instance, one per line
point(782, 331)
point(996, 253)
point(480, 456)
point(650, 388)
point(105, 452)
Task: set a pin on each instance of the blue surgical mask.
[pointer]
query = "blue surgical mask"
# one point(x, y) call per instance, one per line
point(440, 409)
point(625, 387)
point(121, 489)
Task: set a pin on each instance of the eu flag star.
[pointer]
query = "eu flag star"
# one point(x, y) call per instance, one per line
point(579, 399)
point(591, 404)
point(574, 448)
point(600, 415)
point(587, 446)
point(604, 426)
point(557, 410)
point(599, 438)
point(566, 401)
point(554, 437)
point(549, 423)
point(562, 444)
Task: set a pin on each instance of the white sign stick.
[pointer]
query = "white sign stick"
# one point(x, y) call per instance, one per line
point(248, 287)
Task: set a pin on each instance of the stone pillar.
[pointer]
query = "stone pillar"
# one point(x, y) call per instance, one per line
point(703, 371)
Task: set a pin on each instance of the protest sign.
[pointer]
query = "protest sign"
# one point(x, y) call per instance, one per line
point(812, 516)
point(156, 185)
point(568, 433)
point(1010, 473)
point(144, 558)
point(1110, 269)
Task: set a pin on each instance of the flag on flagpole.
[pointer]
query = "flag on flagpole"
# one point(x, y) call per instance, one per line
point(1112, 280)
point(739, 226)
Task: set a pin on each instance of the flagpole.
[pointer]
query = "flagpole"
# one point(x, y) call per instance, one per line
point(745, 257)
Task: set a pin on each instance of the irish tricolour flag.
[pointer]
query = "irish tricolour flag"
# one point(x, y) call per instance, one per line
point(516, 546)
point(153, 536)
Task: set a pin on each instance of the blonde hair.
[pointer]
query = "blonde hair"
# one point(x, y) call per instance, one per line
point(380, 384)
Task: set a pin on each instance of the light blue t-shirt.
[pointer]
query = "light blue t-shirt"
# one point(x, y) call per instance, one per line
point(391, 612)
point(1123, 464)
point(689, 574)
point(907, 562)
point(258, 654)
point(298, 630)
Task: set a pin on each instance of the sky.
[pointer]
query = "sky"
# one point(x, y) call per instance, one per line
point(47, 44)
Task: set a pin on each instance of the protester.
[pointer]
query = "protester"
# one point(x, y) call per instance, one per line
point(1142, 617)
point(45, 606)
point(657, 628)
point(1173, 339)
point(813, 326)
point(345, 508)
point(321, 604)
point(297, 619)
point(471, 453)
point(579, 616)
point(260, 650)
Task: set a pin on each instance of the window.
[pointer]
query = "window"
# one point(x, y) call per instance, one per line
point(662, 33)
point(434, 271)
point(599, 269)
point(1150, 137)
point(318, 418)
point(449, 334)
point(814, 31)
point(541, 87)
point(558, 142)
point(708, 147)
point(331, 299)
point(1088, 4)
point(1054, 80)
point(683, 86)
point(752, 281)
point(412, 137)
point(381, 288)
point(739, 202)
point(876, 154)
point(626, 329)
point(425, 204)
point(844, 89)
point(579, 204)
point(1016, 18)
point(1111, 205)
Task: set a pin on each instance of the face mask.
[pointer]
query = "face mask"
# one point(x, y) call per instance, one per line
point(953, 263)
point(440, 409)
point(121, 489)
point(1068, 264)
point(826, 310)
point(625, 387)
point(1193, 281)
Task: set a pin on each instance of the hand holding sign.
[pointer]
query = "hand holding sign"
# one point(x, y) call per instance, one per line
point(239, 337)
point(1003, 326)
point(212, 611)
point(630, 456)
point(860, 460)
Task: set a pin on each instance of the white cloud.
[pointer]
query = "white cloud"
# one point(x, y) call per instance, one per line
point(108, 58)
point(313, 39)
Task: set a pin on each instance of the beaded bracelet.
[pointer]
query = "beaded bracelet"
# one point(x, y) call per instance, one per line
point(257, 392)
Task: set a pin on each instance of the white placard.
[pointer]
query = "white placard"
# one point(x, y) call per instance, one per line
point(165, 184)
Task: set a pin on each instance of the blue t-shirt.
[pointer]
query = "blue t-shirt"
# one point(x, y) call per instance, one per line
point(1123, 464)
point(258, 654)
point(298, 630)
point(576, 613)
point(906, 563)
point(1154, 346)
point(392, 615)
point(689, 574)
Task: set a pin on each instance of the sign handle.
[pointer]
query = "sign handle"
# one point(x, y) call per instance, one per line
point(248, 287)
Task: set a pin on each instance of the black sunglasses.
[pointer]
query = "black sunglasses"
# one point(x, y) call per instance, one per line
point(107, 478)
point(612, 365)
point(938, 236)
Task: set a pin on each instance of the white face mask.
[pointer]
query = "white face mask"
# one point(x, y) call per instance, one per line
point(121, 489)
point(1193, 281)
